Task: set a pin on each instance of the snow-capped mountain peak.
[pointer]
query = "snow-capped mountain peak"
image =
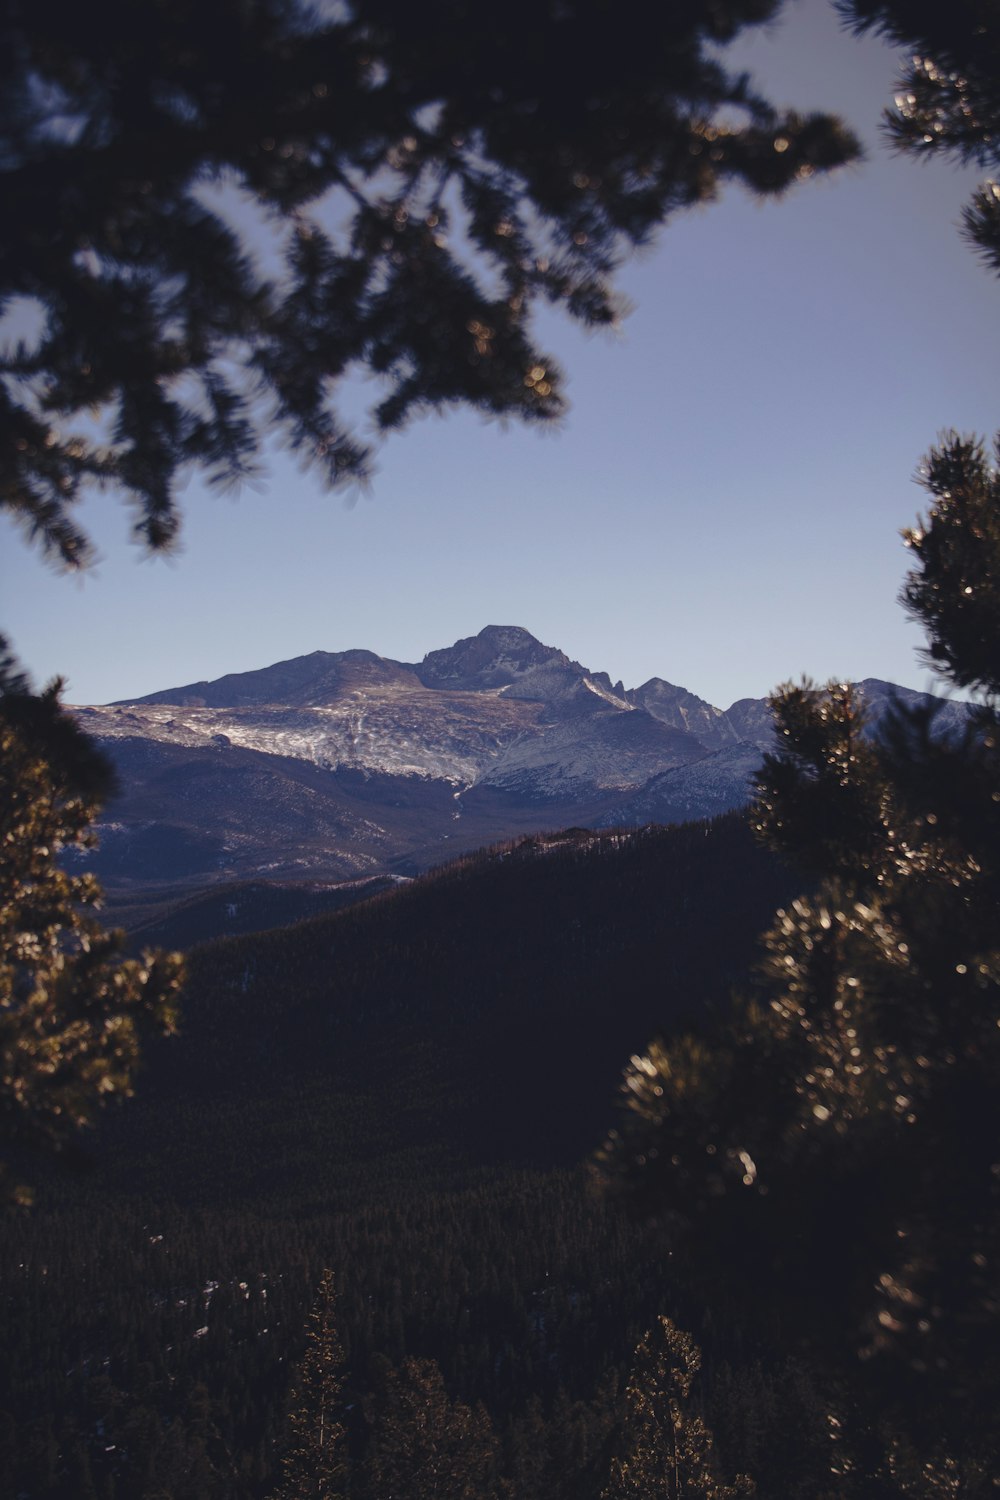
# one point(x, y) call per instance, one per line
point(496, 657)
point(344, 761)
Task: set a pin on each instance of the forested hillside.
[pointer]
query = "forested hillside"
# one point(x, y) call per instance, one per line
point(399, 1091)
point(484, 1012)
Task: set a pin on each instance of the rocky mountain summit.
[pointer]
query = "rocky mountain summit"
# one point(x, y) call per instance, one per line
point(344, 764)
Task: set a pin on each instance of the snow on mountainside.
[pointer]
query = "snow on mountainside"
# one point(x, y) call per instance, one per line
point(398, 731)
point(347, 763)
point(498, 708)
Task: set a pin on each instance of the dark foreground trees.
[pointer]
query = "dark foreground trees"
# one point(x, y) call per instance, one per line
point(70, 1004)
point(424, 1446)
point(421, 178)
point(666, 1452)
point(825, 1156)
point(826, 1159)
point(947, 100)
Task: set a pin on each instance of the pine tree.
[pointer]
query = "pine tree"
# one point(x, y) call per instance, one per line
point(953, 590)
point(857, 1090)
point(426, 176)
point(426, 1446)
point(71, 1005)
point(947, 100)
point(668, 1451)
point(315, 1466)
point(840, 1125)
point(834, 1143)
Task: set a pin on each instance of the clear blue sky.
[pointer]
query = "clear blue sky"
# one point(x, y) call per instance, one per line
point(721, 507)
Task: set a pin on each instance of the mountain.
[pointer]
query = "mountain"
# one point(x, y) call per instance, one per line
point(345, 765)
point(497, 657)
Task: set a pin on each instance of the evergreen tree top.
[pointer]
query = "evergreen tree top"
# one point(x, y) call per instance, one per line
point(948, 96)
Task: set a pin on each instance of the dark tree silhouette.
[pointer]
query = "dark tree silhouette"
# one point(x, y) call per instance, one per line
point(426, 175)
point(70, 1002)
point(834, 1143)
point(954, 590)
point(666, 1450)
point(948, 98)
point(425, 1446)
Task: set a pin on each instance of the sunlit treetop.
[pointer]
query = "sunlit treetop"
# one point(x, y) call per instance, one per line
point(72, 1006)
point(953, 588)
point(426, 174)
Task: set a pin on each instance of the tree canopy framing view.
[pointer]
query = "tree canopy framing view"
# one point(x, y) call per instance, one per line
point(830, 1141)
point(430, 176)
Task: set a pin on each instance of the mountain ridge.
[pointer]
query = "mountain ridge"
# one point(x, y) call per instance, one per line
point(339, 765)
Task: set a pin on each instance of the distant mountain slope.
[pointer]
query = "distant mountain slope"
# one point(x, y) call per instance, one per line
point(345, 764)
point(179, 919)
point(714, 784)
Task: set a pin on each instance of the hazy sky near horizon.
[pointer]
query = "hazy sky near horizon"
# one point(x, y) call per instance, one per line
point(721, 507)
